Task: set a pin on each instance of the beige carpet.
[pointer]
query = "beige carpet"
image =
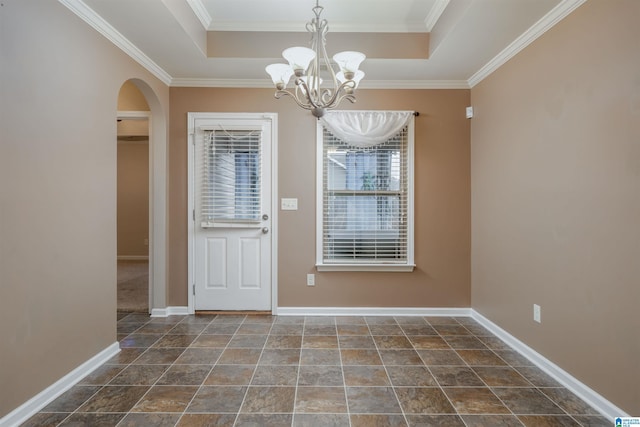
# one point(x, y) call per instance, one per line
point(133, 286)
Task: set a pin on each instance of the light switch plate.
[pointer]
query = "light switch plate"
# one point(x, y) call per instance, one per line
point(289, 204)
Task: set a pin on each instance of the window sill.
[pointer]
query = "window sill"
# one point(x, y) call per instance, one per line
point(398, 268)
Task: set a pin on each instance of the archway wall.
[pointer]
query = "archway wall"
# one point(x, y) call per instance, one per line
point(58, 108)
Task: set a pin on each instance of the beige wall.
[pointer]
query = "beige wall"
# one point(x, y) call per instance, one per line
point(442, 276)
point(59, 83)
point(556, 197)
point(133, 198)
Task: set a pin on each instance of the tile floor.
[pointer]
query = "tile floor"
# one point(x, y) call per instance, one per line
point(260, 370)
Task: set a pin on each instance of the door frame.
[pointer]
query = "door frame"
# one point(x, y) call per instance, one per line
point(146, 115)
point(192, 123)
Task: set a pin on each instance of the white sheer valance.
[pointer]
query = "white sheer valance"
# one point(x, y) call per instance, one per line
point(365, 128)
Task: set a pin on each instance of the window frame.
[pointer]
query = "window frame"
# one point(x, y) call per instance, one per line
point(379, 265)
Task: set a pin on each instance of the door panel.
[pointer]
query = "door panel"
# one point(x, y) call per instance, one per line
point(232, 238)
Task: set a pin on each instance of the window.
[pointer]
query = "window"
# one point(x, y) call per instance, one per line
point(231, 185)
point(365, 198)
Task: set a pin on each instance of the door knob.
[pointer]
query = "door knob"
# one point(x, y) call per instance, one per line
point(265, 217)
point(265, 230)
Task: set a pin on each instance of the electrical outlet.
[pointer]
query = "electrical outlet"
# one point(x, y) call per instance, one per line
point(146, 242)
point(536, 313)
point(311, 279)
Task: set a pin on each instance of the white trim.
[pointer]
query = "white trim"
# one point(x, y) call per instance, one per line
point(170, 311)
point(398, 268)
point(46, 396)
point(406, 267)
point(336, 27)
point(595, 400)
point(133, 257)
point(89, 16)
point(525, 39)
point(365, 84)
point(201, 12)
point(435, 13)
point(192, 118)
point(372, 311)
point(134, 114)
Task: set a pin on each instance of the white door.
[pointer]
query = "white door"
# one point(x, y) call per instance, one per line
point(232, 201)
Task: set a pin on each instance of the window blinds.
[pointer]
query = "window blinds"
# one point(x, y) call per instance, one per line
point(365, 201)
point(231, 177)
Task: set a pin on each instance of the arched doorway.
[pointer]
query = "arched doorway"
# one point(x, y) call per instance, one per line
point(133, 94)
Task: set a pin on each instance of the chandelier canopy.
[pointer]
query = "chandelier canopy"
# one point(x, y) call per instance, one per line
point(305, 63)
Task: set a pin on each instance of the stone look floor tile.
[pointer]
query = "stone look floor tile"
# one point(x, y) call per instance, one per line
point(321, 420)
point(501, 376)
point(264, 420)
point(114, 399)
point(321, 400)
point(166, 399)
point(320, 376)
point(422, 342)
point(71, 399)
point(491, 420)
point(424, 400)
point(185, 375)
point(207, 420)
point(407, 376)
point(377, 420)
point(230, 375)
point(568, 401)
point(360, 357)
point(548, 421)
point(372, 400)
point(217, 399)
point(263, 370)
point(456, 376)
point(320, 357)
point(45, 419)
point(269, 399)
point(93, 420)
point(365, 376)
point(149, 419)
point(437, 421)
point(468, 400)
point(275, 375)
point(320, 341)
point(527, 401)
point(139, 375)
point(284, 341)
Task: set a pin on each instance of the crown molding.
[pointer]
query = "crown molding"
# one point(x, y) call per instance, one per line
point(89, 16)
point(413, 84)
point(435, 13)
point(372, 84)
point(336, 27)
point(201, 12)
point(536, 30)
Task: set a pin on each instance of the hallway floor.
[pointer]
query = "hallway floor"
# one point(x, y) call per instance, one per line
point(261, 370)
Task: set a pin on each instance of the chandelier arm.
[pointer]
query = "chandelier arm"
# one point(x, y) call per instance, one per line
point(336, 98)
point(280, 93)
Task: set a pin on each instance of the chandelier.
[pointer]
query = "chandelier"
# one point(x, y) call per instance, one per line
point(306, 63)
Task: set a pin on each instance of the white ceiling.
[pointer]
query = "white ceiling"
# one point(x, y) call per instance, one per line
point(468, 38)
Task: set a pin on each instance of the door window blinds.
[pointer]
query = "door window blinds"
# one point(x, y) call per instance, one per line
point(365, 201)
point(231, 177)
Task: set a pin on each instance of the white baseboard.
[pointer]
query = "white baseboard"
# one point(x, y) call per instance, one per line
point(42, 399)
point(602, 405)
point(169, 311)
point(133, 258)
point(371, 311)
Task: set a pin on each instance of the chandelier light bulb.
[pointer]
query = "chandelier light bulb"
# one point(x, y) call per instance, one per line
point(280, 74)
point(349, 62)
point(299, 58)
